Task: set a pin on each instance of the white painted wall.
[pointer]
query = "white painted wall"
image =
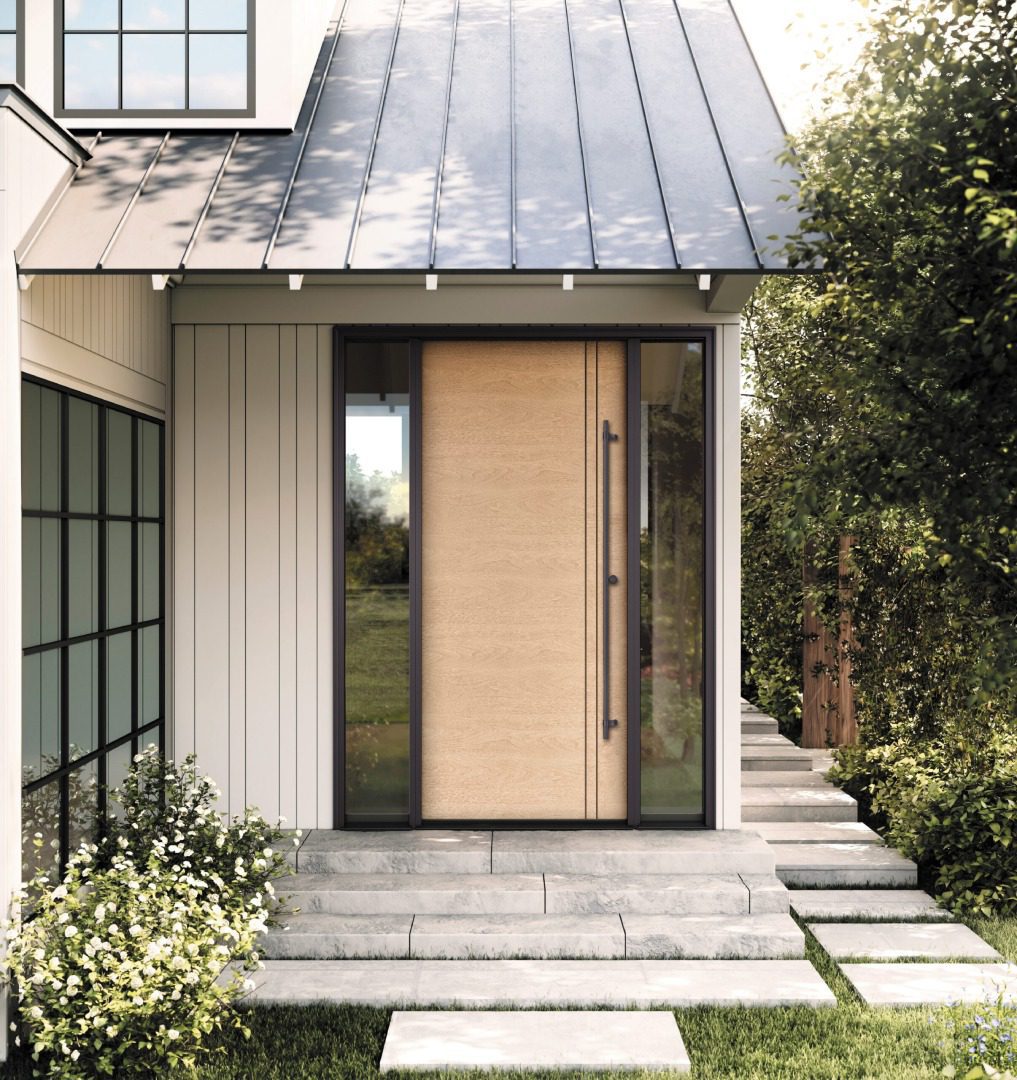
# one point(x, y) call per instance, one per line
point(252, 508)
point(288, 38)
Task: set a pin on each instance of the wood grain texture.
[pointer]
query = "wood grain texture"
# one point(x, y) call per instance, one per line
point(504, 588)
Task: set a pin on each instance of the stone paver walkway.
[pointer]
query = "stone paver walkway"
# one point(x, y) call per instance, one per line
point(931, 984)
point(897, 941)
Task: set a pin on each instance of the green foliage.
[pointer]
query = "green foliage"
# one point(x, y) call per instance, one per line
point(139, 954)
point(983, 1040)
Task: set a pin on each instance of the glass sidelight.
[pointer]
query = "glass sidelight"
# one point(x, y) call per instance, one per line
point(672, 593)
point(376, 665)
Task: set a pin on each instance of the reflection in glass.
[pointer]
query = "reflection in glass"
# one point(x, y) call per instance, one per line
point(218, 14)
point(40, 581)
point(40, 448)
point(118, 762)
point(671, 632)
point(82, 456)
point(118, 686)
point(153, 14)
point(377, 558)
point(82, 699)
point(118, 573)
point(218, 71)
point(82, 805)
point(8, 15)
point(91, 63)
point(149, 596)
point(91, 14)
point(149, 669)
point(149, 487)
point(40, 715)
point(153, 71)
point(8, 58)
point(82, 578)
point(40, 831)
point(118, 463)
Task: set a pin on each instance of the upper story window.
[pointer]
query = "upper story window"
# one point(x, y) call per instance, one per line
point(9, 66)
point(156, 56)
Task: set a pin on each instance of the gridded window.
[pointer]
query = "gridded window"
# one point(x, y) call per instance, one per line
point(9, 10)
point(93, 683)
point(153, 56)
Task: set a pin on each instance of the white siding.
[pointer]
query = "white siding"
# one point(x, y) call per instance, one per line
point(108, 336)
point(252, 572)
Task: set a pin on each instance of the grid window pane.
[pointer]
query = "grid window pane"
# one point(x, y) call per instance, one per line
point(8, 58)
point(91, 80)
point(218, 71)
point(118, 463)
point(91, 14)
point(218, 14)
point(149, 595)
point(82, 578)
point(153, 71)
point(118, 762)
point(40, 715)
point(154, 15)
point(118, 573)
point(149, 486)
point(118, 686)
point(40, 448)
point(82, 457)
point(40, 581)
point(9, 15)
point(82, 805)
point(40, 831)
point(82, 699)
point(149, 668)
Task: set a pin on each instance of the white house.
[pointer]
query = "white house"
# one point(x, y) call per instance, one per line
point(370, 406)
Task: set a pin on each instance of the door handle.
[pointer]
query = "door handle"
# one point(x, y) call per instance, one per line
point(609, 579)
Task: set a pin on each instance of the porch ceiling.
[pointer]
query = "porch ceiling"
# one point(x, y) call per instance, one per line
point(482, 135)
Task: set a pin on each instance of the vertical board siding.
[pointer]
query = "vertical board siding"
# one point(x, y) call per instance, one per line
point(120, 318)
point(253, 564)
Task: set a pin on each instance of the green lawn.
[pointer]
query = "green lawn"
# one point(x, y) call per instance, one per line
point(850, 1042)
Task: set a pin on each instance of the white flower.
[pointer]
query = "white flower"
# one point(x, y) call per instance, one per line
point(173, 1034)
point(70, 931)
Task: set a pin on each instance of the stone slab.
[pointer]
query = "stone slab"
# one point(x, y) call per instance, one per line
point(842, 864)
point(931, 984)
point(767, 894)
point(585, 1042)
point(651, 894)
point(774, 759)
point(768, 739)
point(658, 851)
point(814, 832)
point(335, 937)
point(416, 894)
point(712, 937)
point(419, 851)
point(801, 803)
point(757, 724)
point(895, 941)
point(618, 984)
point(872, 904)
point(464, 937)
point(778, 777)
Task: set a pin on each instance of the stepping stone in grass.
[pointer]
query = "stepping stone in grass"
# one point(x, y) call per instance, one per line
point(871, 904)
point(573, 1041)
point(895, 941)
point(931, 984)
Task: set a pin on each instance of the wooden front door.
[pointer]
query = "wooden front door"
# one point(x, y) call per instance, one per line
point(512, 581)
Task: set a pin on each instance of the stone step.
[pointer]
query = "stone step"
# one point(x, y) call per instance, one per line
point(869, 904)
point(802, 803)
point(814, 832)
point(902, 985)
point(418, 851)
point(336, 937)
point(829, 865)
point(897, 941)
point(582, 1042)
point(778, 778)
point(416, 894)
point(619, 984)
point(758, 724)
point(649, 894)
point(614, 851)
point(768, 739)
point(504, 937)
point(775, 759)
point(709, 937)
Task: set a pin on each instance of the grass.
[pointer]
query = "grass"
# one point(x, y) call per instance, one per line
point(849, 1042)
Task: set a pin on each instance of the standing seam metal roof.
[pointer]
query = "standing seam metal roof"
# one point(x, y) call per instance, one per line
point(464, 135)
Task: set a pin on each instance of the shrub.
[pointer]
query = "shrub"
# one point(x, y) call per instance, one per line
point(146, 945)
point(984, 1040)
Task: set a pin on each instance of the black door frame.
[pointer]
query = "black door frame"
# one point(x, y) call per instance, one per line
point(633, 336)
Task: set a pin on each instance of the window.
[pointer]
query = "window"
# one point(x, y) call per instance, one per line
point(92, 610)
point(156, 56)
point(10, 55)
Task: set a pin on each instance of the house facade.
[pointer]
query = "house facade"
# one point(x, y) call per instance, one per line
point(370, 407)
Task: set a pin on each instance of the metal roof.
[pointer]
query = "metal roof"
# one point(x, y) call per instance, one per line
point(552, 135)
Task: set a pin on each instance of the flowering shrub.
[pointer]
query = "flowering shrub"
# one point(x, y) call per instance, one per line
point(984, 1040)
point(145, 946)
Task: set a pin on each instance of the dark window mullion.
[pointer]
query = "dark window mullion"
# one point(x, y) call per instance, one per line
point(135, 443)
point(102, 641)
point(161, 479)
point(187, 54)
point(65, 722)
point(120, 56)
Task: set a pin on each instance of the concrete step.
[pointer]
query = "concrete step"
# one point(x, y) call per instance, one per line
point(518, 1042)
point(416, 894)
point(653, 851)
point(767, 739)
point(758, 724)
point(779, 778)
point(775, 759)
point(830, 865)
point(649, 894)
point(419, 851)
point(712, 937)
point(505, 937)
point(814, 832)
point(802, 803)
point(869, 904)
point(336, 937)
point(899, 941)
point(913, 985)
